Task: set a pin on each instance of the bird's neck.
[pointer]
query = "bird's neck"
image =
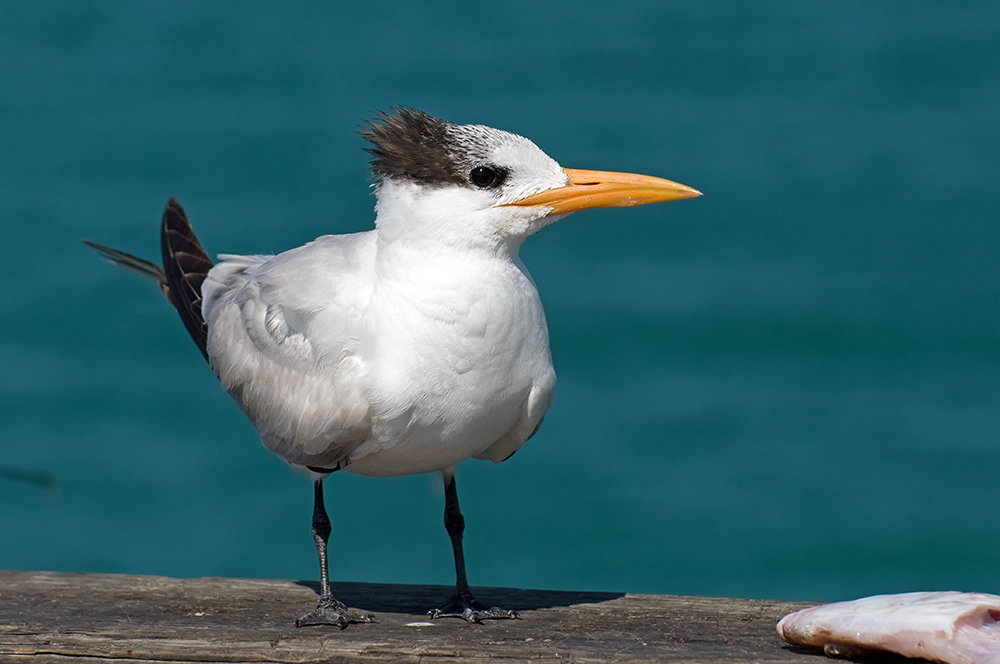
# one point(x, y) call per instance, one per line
point(432, 222)
point(427, 251)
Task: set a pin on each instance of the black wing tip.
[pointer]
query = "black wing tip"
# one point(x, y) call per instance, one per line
point(175, 205)
point(173, 213)
point(186, 265)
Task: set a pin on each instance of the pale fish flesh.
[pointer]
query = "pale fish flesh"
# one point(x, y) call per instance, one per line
point(951, 627)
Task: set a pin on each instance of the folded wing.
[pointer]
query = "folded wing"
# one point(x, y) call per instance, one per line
point(284, 337)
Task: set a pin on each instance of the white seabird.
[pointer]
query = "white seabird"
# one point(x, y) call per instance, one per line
point(404, 349)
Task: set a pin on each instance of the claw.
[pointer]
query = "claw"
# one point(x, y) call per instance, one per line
point(463, 605)
point(332, 612)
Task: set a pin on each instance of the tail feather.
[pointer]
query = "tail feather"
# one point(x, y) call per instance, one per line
point(185, 266)
point(140, 266)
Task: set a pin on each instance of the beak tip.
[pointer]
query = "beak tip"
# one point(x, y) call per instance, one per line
point(679, 192)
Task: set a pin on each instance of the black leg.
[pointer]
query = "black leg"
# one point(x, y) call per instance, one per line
point(329, 611)
point(462, 604)
point(454, 523)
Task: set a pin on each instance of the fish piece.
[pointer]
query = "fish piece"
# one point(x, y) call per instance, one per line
point(950, 627)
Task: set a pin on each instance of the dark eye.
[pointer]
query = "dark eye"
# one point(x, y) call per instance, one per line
point(483, 176)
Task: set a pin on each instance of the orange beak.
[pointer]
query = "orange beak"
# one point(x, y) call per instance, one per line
point(596, 189)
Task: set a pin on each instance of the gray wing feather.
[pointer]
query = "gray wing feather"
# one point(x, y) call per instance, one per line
point(283, 335)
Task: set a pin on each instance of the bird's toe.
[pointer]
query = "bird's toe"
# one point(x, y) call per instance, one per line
point(463, 605)
point(332, 612)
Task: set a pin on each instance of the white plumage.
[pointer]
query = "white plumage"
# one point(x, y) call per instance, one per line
point(381, 376)
point(408, 348)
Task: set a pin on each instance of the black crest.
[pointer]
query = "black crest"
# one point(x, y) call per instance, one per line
point(410, 144)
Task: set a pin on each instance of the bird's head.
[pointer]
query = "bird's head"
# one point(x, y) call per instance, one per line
point(471, 185)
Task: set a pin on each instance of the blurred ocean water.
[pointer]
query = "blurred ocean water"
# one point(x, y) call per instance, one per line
point(788, 388)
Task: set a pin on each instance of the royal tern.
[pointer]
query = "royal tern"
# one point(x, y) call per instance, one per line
point(407, 348)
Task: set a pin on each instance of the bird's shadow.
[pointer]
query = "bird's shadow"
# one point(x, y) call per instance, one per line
point(418, 599)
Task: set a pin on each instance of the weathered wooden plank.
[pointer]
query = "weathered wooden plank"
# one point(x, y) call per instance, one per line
point(46, 616)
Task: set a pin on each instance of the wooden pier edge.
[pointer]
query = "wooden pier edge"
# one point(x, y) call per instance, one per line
point(60, 617)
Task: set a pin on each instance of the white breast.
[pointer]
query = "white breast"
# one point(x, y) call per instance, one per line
point(384, 368)
point(459, 366)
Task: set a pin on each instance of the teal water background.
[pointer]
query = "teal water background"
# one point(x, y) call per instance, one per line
point(789, 388)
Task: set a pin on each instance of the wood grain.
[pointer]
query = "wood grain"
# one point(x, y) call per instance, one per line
point(49, 617)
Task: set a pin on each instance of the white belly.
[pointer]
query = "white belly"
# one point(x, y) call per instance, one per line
point(455, 368)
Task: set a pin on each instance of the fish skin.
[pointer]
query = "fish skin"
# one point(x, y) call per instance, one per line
point(949, 627)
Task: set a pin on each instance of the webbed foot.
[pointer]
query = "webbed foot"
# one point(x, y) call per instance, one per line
point(332, 612)
point(463, 605)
